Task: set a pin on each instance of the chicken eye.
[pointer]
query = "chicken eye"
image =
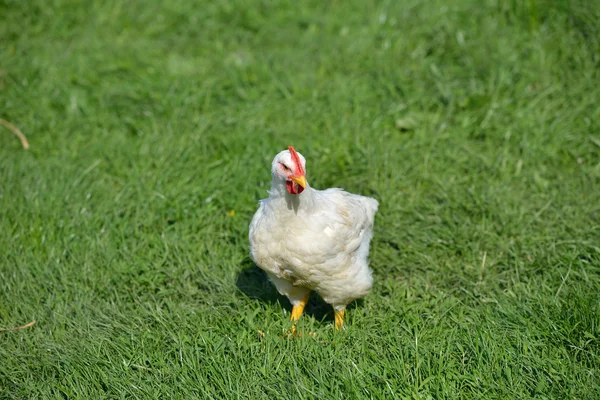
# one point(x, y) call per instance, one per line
point(285, 167)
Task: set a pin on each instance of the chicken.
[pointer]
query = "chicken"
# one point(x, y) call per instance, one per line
point(307, 239)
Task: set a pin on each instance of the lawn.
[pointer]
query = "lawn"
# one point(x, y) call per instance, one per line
point(152, 125)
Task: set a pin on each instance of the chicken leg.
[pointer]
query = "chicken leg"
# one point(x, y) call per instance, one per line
point(339, 318)
point(298, 308)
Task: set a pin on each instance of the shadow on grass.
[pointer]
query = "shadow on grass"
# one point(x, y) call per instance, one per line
point(254, 283)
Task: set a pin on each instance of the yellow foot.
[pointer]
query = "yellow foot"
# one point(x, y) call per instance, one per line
point(293, 332)
point(339, 319)
point(298, 309)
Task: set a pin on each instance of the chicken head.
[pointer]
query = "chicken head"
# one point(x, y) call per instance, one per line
point(289, 167)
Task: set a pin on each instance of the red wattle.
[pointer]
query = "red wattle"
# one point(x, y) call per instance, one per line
point(293, 187)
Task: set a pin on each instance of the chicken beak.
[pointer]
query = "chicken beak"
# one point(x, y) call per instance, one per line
point(300, 180)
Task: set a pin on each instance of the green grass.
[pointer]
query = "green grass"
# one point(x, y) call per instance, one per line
point(474, 123)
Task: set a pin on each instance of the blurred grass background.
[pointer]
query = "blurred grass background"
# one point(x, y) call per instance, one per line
point(474, 123)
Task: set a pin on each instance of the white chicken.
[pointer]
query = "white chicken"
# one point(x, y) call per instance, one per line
point(307, 239)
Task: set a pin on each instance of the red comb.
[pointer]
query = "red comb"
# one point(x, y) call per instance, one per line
point(296, 160)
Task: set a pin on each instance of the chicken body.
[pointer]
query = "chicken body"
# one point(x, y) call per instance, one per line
point(313, 240)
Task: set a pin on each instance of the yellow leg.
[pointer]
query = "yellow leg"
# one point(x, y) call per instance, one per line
point(298, 309)
point(339, 319)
